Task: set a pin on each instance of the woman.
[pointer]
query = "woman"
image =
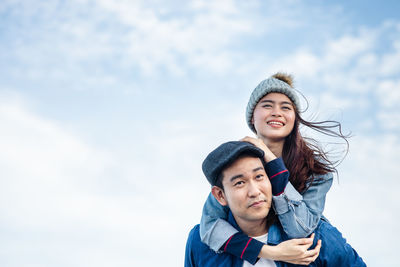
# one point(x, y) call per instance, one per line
point(299, 188)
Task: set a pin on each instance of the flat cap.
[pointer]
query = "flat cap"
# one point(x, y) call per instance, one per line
point(224, 155)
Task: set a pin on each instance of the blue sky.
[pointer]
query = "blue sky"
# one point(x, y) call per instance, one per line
point(107, 109)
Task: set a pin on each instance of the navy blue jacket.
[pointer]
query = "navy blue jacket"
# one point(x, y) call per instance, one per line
point(334, 250)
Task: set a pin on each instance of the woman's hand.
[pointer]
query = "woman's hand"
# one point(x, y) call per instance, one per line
point(293, 251)
point(268, 155)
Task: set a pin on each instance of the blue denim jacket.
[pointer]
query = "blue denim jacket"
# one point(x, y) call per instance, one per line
point(334, 250)
point(298, 214)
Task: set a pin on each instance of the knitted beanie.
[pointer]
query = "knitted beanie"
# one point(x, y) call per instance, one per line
point(270, 85)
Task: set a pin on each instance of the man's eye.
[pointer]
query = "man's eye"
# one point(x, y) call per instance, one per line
point(239, 183)
point(260, 176)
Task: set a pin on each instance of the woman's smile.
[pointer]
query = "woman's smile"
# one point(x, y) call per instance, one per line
point(275, 123)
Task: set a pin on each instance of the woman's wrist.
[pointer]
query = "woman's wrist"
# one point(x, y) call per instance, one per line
point(269, 156)
point(268, 252)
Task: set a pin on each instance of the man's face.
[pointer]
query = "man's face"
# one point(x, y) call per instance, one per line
point(247, 190)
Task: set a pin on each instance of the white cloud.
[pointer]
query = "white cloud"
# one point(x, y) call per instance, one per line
point(346, 62)
point(42, 163)
point(152, 39)
point(139, 36)
point(49, 188)
point(333, 65)
point(391, 61)
point(303, 63)
point(343, 50)
point(388, 92)
point(389, 120)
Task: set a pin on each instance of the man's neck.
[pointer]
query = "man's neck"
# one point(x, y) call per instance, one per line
point(253, 228)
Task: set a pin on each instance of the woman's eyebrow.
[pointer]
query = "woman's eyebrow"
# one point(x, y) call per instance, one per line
point(286, 103)
point(267, 100)
point(273, 102)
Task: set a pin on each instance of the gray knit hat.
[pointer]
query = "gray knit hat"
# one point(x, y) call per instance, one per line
point(265, 87)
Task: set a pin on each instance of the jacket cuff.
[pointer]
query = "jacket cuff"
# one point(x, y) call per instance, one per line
point(218, 234)
point(278, 175)
point(243, 247)
point(281, 205)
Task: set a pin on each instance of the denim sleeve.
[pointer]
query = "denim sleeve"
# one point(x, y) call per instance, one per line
point(300, 214)
point(214, 229)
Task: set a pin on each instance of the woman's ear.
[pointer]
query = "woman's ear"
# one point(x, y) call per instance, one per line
point(219, 195)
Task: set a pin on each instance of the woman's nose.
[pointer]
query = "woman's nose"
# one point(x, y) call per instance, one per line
point(276, 111)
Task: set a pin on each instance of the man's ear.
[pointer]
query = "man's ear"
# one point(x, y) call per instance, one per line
point(219, 195)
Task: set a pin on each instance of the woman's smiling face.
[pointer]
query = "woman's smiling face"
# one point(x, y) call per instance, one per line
point(274, 117)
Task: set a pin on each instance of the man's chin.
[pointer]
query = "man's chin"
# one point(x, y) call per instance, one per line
point(259, 215)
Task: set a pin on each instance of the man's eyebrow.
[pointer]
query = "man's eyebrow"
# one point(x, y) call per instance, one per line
point(258, 168)
point(236, 177)
point(241, 175)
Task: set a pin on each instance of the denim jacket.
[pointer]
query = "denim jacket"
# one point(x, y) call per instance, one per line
point(299, 214)
point(334, 250)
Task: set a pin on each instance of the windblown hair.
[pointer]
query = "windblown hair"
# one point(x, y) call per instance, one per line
point(303, 156)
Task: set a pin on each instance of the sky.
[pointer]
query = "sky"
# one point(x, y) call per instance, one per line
point(108, 108)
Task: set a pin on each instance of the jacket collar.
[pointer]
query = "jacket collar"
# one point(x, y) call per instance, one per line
point(275, 231)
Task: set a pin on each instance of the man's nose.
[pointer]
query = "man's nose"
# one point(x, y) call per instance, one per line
point(253, 190)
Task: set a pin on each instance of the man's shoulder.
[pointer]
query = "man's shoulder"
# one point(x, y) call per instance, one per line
point(194, 235)
point(327, 230)
point(195, 248)
point(335, 247)
point(194, 242)
point(328, 233)
point(199, 254)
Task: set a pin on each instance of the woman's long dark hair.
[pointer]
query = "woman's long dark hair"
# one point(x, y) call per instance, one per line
point(303, 157)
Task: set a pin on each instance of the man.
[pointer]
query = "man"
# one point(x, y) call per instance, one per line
point(239, 181)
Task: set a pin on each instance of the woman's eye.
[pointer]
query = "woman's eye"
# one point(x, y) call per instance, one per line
point(286, 108)
point(267, 106)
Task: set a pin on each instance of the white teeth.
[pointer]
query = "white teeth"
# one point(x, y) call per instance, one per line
point(275, 122)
